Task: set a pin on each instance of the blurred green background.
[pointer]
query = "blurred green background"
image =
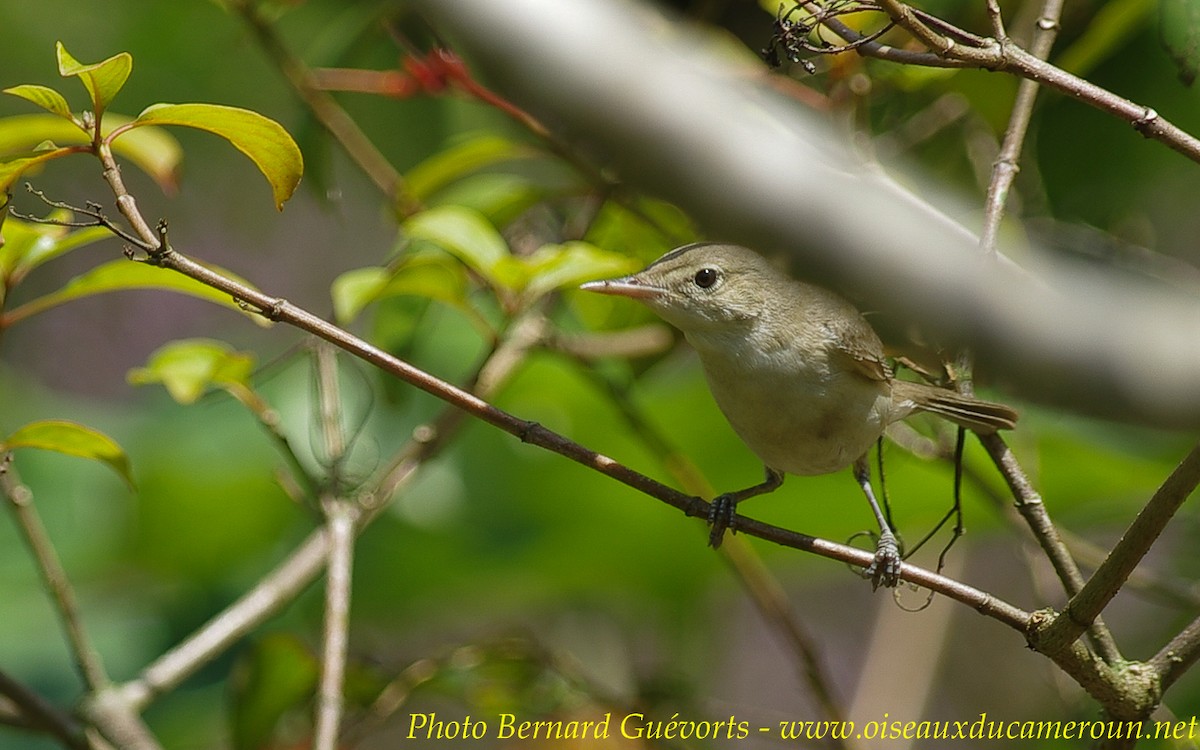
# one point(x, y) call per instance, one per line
point(499, 543)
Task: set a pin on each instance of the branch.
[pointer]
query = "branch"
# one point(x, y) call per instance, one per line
point(327, 111)
point(1001, 54)
point(20, 500)
point(1004, 171)
point(38, 714)
point(651, 97)
point(340, 516)
point(764, 590)
point(283, 584)
point(1178, 656)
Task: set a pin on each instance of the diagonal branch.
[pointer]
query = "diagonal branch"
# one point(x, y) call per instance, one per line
point(20, 500)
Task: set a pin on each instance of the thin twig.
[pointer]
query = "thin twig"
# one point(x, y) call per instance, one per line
point(1175, 658)
point(327, 111)
point(1029, 504)
point(1003, 55)
point(279, 587)
point(1004, 171)
point(38, 714)
point(20, 500)
point(764, 590)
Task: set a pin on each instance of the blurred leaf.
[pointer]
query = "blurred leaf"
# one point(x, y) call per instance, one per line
point(121, 275)
point(45, 97)
point(568, 265)
point(1114, 24)
point(189, 367)
point(425, 275)
point(277, 675)
point(1179, 22)
point(464, 233)
point(353, 290)
point(260, 138)
point(71, 439)
point(499, 197)
point(454, 163)
point(102, 80)
point(153, 150)
point(28, 246)
point(12, 166)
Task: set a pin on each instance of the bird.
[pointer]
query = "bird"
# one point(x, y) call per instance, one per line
point(797, 371)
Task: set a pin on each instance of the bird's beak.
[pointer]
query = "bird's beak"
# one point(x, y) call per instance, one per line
point(626, 286)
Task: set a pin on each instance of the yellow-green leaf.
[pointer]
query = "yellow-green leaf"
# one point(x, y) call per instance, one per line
point(189, 367)
point(570, 264)
point(458, 161)
point(102, 80)
point(437, 277)
point(45, 97)
point(27, 245)
point(260, 138)
point(463, 233)
point(72, 439)
point(122, 275)
point(153, 150)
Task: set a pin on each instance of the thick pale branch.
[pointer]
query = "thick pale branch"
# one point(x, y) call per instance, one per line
point(649, 97)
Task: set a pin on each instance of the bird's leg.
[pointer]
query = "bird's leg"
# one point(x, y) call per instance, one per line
point(885, 569)
point(720, 513)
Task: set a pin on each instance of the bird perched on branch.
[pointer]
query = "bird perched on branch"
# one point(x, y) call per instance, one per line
point(798, 372)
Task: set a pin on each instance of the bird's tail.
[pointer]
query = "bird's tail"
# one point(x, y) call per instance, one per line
point(965, 411)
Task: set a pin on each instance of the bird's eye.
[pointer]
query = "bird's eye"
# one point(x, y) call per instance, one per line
point(706, 277)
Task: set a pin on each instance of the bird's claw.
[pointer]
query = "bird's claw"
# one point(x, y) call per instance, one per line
point(884, 570)
point(720, 515)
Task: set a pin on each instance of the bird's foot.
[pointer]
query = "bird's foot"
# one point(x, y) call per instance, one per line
point(720, 515)
point(885, 569)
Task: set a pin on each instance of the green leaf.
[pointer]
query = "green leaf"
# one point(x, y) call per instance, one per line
point(45, 97)
point(569, 265)
point(429, 276)
point(122, 275)
point(260, 138)
point(498, 196)
point(456, 162)
point(72, 439)
point(153, 150)
point(1179, 23)
point(102, 80)
point(353, 290)
point(464, 233)
point(189, 367)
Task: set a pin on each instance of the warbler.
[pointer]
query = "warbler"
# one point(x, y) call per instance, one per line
point(796, 369)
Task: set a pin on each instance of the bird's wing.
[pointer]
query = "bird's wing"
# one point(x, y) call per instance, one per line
point(858, 347)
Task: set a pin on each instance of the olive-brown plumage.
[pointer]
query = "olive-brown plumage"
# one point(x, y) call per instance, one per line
point(798, 372)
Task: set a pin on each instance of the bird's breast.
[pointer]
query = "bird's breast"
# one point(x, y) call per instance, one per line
point(800, 416)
